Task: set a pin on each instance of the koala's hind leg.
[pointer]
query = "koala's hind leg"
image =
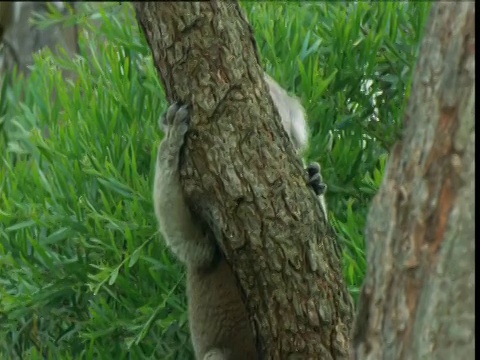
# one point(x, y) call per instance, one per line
point(182, 233)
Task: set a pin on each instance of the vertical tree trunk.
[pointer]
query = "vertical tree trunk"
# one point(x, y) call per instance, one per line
point(245, 181)
point(418, 298)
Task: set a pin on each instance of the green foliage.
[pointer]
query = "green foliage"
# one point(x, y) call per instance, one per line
point(351, 64)
point(82, 273)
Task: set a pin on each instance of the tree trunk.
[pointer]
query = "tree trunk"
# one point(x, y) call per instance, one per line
point(418, 298)
point(243, 178)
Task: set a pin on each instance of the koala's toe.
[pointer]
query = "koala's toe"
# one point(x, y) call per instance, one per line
point(319, 188)
point(316, 183)
point(313, 168)
point(315, 179)
point(169, 116)
point(176, 114)
point(183, 114)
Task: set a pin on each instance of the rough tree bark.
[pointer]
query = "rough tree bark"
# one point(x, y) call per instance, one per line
point(418, 298)
point(244, 179)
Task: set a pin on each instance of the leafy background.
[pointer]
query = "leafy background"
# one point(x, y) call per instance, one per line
point(83, 273)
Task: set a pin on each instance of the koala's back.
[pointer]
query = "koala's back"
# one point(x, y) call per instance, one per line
point(218, 316)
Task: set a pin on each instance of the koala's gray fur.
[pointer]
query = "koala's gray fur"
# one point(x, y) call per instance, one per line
point(219, 323)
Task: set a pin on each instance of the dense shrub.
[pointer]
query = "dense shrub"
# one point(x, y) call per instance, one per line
point(82, 271)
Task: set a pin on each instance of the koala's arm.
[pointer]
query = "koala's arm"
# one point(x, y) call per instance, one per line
point(187, 240)
point(293, 119)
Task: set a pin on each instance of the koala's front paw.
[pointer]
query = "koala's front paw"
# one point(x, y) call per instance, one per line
point(175, 122)
point(315, 179)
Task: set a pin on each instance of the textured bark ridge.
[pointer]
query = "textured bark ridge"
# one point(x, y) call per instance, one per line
point(418, 298)
point(243, 178)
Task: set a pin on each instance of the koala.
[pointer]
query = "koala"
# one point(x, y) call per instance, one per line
point(219, 323)
point(292, 115)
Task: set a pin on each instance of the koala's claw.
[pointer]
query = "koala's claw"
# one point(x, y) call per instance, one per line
point(315, 179)
point(313, 168)
point(175, 114)
point(175, 122)
point(317, 185)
